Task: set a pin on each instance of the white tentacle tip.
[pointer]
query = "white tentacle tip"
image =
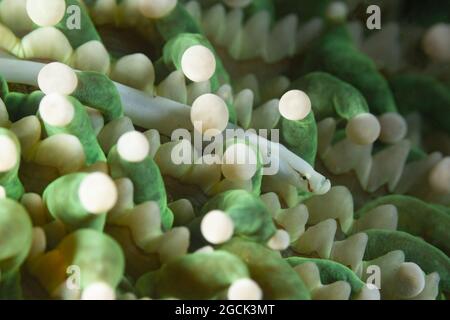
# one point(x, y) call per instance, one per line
point(337, 11)
point(205, 249)
point(295, 105)
point(239, 162)
point(98, 291)
point(363, 129)
point(217, 227)
point(245, 289)
point(439, 177)
point(9, 155)
point(56, 110)
point(57, 77)
point(393, 127)
point(368, 292)
point(97, 193)
point(46, 13)
point(133, 146)
point(280, 240)
point(237, 3)
point(156, 9)
point(198, 63)
point(436, 42)
point(411, 280)
point(209, 114)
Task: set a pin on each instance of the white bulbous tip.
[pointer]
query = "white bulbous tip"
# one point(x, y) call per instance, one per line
point(439, 177)
point(156, 8)
point(368, 292)
point(57, 77)
point(393, 127)
point(411, 280)
point(135, 66)
point(198, 63)
point(2, 193)
point(363, 129)
point(279, 241)
point(436, 42)
point(56, 110)
point(295, 105)
point(98, 291)
point(209, 114)
point(237, 3)
point(92, 56)
point(133, 146)
point(46, 13)
point(337, 11)
point(9, 155)
point(97, 193)
point(205, 249)
point(94, 46)
point(245, 289)
point(239, 162)
point(217, 227)
point(135, 60)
